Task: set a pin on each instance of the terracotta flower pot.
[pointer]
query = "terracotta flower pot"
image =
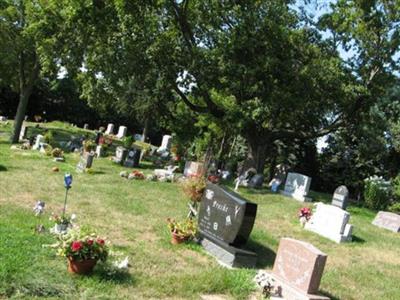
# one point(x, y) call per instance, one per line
point(177, 239)
point(81, 266)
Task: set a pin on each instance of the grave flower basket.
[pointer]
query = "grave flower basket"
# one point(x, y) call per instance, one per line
point(82, 251)
point(194, 188)
point(181, 231)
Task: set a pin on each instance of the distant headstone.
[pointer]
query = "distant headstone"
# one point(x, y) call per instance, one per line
point(110, 129)
point(85, 162)
point(3, 119)
point(225, 223)
point(297, 271)
point(23, 133)
point(121, 132)
point(138, 137)
point(387, 220)
point(165, 143)
point(340, 197)
point(297, 186)
point(120, 155)
point(193, 169)
point(256, 181)
point(132, 158)
point(86, 126)
point(99, 151)
point(331, 222)
point(39, 140)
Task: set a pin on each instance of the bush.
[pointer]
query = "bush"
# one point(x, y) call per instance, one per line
point(89, 145)
point(395, 207)
point(377, 193)
point(128, 141)
point(57, 152)
point(49, 138)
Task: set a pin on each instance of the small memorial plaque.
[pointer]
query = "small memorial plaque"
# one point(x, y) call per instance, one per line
point(387, 220)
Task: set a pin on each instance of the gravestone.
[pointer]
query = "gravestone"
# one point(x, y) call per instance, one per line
point(132, 158)
point(110, 129)
point(387, 220)
point(138, 137)
point(331, 222)
point(99, 151)
point(340, 197)
point(86, 126)
point(166, 142)
point(23, 133)
point(85, 162)
point(99, 135)
point(193, 169)
point(297, 271)
point(256, 181)
point(39, 140)
point(279, 177)
point(120, 155)
point(297, 186)
point(225, 223)
point(121, 132)
point(3, 119)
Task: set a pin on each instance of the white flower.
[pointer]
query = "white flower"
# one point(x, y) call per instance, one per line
point(73, 217)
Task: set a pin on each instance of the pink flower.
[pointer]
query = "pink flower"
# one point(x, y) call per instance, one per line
point(76, 246)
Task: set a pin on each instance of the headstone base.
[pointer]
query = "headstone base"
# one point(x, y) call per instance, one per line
point(291, 293)
point(230, 256)
point(298, 197)
point(338, 238)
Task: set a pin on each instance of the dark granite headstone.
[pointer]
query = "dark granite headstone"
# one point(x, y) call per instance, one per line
point(256, 181)
point(340, 197)
point(225, 223)
point(85, 161)
point(132, 158)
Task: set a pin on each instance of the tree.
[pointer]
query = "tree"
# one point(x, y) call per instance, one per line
point(26, 33)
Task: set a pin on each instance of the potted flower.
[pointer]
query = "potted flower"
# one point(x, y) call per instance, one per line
point(181, 231)
point(304, 215)
point(194, 187)
point(82, 251)
point(63, 222)
point(88, 145)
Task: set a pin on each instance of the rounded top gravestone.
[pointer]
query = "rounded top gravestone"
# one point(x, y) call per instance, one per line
point(340, 197)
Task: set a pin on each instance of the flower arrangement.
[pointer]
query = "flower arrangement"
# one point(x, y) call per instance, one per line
point(182, 231)
point(194, 188)
point(213, 178)
point(57, 152)
point(304, 215)
point(136, 175)
point(62, 220)
point(89, 145)
point(78, 245)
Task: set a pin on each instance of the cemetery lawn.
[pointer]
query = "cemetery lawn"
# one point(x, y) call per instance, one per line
point(132, 214)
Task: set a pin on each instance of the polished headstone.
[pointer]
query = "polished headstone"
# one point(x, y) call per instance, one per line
point(297, 186)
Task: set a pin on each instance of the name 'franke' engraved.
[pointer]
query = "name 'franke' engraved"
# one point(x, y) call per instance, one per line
point(221, 207)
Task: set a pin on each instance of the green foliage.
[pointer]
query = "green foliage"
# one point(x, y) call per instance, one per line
point(128, 141)
point(57, 152)
point(395, 207)
point(49, 137)
point(377, 193)
point(89, 145)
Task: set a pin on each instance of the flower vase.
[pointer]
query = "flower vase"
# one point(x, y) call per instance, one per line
point(81, 266)
point(177, 239)
point(61, 228)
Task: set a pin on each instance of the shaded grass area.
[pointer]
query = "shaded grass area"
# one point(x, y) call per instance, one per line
point(132, 214)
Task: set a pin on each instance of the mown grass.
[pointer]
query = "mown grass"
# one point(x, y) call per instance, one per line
point(132, 215)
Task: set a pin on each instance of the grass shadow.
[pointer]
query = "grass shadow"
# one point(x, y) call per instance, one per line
point(116, 276)
point(259, 191)
point(2, 168)
point(358, 240)
point(266, 256)
point(330, 296)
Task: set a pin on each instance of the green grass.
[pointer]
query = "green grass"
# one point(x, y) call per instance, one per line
point(132, 214)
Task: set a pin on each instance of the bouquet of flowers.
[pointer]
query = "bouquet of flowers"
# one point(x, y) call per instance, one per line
point(304, 215)
point(136, 175)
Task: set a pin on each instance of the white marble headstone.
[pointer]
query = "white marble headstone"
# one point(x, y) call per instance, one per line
point(121, 132)
point(110, 129)
point(166, 142)
point(331, 222)
point(39, 140)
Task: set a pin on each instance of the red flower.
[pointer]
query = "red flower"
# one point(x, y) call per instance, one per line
point(90, 242)
point(100, 241)
point(76, 246)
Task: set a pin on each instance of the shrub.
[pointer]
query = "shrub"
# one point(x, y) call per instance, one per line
point(128, 141)
point(89, 145)
point(395, 207)
point(49, 137)
point(377, 193)
point(57, 152)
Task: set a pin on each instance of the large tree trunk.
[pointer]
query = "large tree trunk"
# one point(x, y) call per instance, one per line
point(258, 151)
point(145, 130)
point(25, 90)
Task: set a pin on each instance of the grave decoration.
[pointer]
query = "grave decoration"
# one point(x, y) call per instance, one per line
point(331, 222)
point(225, 222)
point(296, 273)
point(39, 210)
point(304, 215)
point(245, 178)
point(181, 231)
point(167, 173)
point(297, 186)
point(387, 220)
point(136, 175)
point(193, 169)
point(340, 197)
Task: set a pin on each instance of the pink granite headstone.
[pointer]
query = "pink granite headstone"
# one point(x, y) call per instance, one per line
point(387, 220)
point(300, 265)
